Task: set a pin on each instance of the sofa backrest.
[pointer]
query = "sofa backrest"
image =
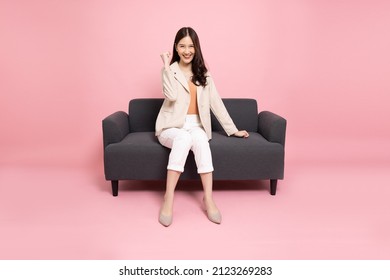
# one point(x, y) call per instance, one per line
point(243, 112)
point(143, 114)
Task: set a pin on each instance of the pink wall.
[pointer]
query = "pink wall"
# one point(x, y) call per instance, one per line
point(65, 65)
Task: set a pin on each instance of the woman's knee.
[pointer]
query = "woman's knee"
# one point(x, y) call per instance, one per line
point(183, 139)
point(200, 142)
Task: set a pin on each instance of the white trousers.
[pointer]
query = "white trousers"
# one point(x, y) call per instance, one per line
point(181, 140)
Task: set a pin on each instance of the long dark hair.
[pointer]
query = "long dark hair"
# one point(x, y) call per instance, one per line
point(198, 67)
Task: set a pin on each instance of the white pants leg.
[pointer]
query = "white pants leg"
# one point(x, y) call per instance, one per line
point(181, 140)
point(201, 149)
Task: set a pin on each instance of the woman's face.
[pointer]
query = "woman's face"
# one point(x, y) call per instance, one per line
point(186, 50)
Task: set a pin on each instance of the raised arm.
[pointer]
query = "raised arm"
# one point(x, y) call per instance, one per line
point(168, 80)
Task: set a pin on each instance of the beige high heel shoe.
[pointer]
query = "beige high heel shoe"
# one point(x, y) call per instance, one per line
point(165, 220)
point(215, 217)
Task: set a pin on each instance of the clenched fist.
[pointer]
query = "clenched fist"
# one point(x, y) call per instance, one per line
point(166, 58)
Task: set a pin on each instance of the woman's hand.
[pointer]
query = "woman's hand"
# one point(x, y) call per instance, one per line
point(166, 58)
point(242, 134)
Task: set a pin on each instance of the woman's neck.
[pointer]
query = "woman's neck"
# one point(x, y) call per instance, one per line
point(185, 67)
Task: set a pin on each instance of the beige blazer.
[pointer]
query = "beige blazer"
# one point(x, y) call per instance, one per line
point(177, 100)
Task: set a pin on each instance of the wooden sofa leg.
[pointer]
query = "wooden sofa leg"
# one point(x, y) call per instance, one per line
point(273, 186)
point(115, 187)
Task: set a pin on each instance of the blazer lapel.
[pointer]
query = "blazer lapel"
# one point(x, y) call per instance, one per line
point(178, 74)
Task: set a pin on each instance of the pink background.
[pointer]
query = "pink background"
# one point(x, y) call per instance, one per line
point(65, 65)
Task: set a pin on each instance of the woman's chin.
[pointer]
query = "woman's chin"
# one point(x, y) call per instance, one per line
point(186, 60)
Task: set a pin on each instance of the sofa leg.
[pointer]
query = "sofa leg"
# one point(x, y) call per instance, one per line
point(115, 187)
point(273, 186)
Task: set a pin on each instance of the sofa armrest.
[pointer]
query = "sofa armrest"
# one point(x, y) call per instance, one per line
point(115, 127)
point(272, 127)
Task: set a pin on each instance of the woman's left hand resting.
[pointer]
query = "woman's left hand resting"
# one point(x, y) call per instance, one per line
point(242, 134)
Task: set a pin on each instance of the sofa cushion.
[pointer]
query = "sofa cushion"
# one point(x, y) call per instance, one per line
point(138, 156)
point(249, 158)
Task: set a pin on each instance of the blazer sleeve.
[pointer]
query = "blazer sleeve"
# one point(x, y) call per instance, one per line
point(219, 109)
point(169, 84)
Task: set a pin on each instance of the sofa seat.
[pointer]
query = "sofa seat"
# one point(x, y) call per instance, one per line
point(232, 155)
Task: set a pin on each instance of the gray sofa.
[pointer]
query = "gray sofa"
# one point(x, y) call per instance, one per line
point(132, 151)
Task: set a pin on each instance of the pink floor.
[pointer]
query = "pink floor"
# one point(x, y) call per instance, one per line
point(321, 211)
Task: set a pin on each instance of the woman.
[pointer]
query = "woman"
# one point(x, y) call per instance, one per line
point(184, 122)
